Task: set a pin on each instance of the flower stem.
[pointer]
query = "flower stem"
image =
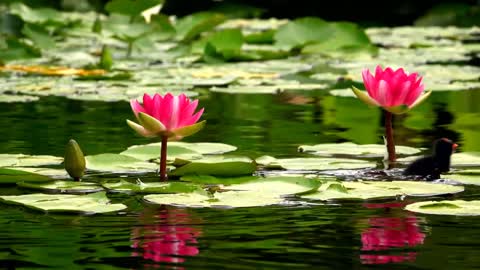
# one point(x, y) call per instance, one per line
point(163, 159)
point(389, 135)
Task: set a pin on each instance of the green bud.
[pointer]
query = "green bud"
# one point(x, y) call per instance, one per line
point(74, 160)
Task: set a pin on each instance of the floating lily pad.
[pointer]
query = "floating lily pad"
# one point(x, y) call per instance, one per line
point(468, 179)
point(348, 148)
point(456, 208)
point(267, 89)
point(152, 151)
point(209, 179)
point(214, 165)
point(466, 159)
point(53, 173)
point(313, 164)
point(17, 98)
point(157, 187)
point(206, 148)
point(366, 190)
point(12, 176)
point(257, 192)
point(118, 163)
point(22, 160)
point(279, 185)
point(63, 186)
point(89, 204)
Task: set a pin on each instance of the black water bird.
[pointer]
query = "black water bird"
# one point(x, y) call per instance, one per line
point(433, 165)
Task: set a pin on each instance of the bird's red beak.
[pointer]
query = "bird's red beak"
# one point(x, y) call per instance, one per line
point(454, 146)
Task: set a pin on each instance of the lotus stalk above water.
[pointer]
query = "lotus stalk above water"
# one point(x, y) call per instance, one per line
point(166, 117)
point(396, 92)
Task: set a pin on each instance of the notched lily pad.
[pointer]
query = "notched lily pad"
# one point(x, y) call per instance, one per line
point(352, 149)
point(365, 190)
point(214, 165)
point(67, 203)
point(157, 187)
point(455, 207)
point(63, 186)
point(118, 163)
point(313, 164)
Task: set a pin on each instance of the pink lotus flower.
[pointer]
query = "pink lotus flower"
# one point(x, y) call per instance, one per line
point(395, 91)
point(170, 116)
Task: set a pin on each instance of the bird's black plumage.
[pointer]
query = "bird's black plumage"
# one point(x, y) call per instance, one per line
point(432, 166)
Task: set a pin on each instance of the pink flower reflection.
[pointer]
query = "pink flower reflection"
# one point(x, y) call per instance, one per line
point(168, 239)
point(386, 233)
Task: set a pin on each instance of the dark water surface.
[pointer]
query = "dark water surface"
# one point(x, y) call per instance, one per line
point(353, 235)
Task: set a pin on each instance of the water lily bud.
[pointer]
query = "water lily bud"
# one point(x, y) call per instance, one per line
point(74, 160)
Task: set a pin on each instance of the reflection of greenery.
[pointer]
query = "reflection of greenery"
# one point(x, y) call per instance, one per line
point(358, 123)
point(464, 107)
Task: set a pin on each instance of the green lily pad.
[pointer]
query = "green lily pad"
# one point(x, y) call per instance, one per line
point(152, 151)
point(279, 185)
point(348, 148)
point(365, 190)
point(17, 98)
point(12, 176)
point(267, 89)
point(206, 148)
point(455, 207)
point(89, 204)
point(214, 165)
point(63, 186)
point(466, 159)
point(467, 179)
point(257, 192)
point(157, 187)
point(53, 173)
point(22, 160)
point(313, 164)
point(209, 179)
point(118, 163)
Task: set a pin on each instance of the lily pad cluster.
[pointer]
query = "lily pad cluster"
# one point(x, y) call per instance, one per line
point(208, 175)
point(119, 56)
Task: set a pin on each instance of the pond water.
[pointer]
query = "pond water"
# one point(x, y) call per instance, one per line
point(341, 235)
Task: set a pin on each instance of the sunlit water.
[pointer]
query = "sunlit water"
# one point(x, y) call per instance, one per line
point(354, 235)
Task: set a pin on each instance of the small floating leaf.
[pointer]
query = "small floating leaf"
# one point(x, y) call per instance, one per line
point(466, 159)
point(455, 207)
point(12, 176)
point(118, 163)
point(315, 164)
point(152, 151)
point(215, 165)
point(279, 185)
point(90, 204)
point(157, 187)
point(464, 179)
point(63, 186)
point(348, 148)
